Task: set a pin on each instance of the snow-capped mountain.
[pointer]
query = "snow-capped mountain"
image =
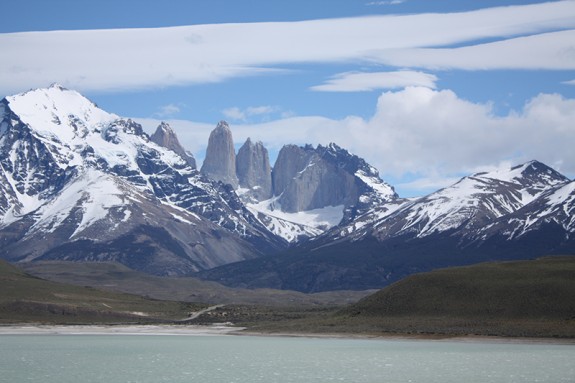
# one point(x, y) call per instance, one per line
point(316, 189)
point(467, 206)
point(78, 183)
point(552, 213)
point(471, 203)
point(514, 213)
point(72, 173)
point(308, 191)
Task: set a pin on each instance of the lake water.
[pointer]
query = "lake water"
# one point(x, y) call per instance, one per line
point(229, 359)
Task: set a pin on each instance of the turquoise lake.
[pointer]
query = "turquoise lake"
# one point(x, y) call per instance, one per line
point(238, 359)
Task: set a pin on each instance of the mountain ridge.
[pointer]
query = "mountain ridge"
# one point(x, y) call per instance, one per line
point(79, 183)
point(72, 152)
point(398, 240)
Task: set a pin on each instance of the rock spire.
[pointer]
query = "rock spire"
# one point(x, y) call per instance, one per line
point(167, 138)
point(254, 171)
point(220, 161)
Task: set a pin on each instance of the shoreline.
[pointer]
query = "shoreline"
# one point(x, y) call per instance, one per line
point(417, 337)
point(227, 329)
point(191, 330)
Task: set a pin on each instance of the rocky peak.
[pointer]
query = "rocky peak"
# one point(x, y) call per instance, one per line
point(254, 171)
point(167, 138)
point(220, 161)
point(291, 160)
point(306, 178)
point(473, 203)
point(540, 175)
point(525, 181)
point(56, 85)
point(58, 114)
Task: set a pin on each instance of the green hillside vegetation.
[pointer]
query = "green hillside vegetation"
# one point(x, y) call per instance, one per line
point(116, 277)
point(28, 299)
point(521, 298)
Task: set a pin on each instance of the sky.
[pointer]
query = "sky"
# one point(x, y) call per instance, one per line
point(425, 91)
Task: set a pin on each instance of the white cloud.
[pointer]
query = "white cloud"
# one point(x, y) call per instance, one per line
point(571, 82)
point(111, 60)
point(422, 131)
point(423, 138)
point(259, 110)
point(168, 110)
point(425, 184)
point(368, 81)
point(387, 2)
point(234, 113)
point(554, 50)
point(237, 114)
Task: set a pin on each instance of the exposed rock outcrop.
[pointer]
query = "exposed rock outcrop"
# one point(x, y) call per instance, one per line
point(253, 170)
point(291, 160)
point(220, 161)
point(306, 178)
point(167, 138)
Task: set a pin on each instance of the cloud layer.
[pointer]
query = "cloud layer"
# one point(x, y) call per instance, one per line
point(360, 82)
point(526, 36)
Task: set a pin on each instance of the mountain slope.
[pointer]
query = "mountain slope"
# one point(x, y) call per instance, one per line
point(24, 298)
point(87, 180)
point(469, 204)
point(477, 219)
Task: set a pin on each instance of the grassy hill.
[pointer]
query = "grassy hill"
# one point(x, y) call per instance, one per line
point(521, 298)
point(26, 299)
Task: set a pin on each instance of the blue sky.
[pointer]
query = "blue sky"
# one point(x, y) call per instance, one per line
point(426, 91)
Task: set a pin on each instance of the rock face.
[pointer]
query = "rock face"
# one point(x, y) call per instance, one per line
point(220, 161)
point(291, 160)
point(305, 178)
point(253, 170)
point(166, 138)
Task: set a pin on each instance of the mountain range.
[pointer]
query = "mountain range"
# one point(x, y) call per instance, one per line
point(78, 183)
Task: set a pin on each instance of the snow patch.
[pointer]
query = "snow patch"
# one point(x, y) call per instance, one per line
point(375, 183)
point(323, 218)
point(93, 193)
point(291, 226)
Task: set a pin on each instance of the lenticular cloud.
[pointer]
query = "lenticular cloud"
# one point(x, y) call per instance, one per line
point(114, 60)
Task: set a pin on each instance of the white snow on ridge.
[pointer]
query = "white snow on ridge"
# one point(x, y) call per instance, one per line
point(563, 197)
point(480, 193)
point(75, 131)
point(380, 187)
point(290, 226)
point(53, 111)
point(326, 217)
point(94, 192)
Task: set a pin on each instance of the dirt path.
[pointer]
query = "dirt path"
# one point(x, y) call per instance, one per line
point(196, 314)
